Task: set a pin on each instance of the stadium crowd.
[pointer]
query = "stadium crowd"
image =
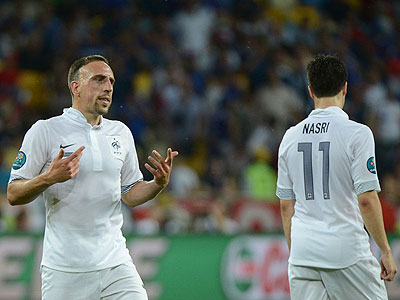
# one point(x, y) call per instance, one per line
point(219, 80)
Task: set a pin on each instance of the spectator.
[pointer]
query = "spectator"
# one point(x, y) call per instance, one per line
point(260, 177)
point(221, 77)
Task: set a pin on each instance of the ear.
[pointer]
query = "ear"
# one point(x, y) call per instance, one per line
point(310, 91)
point(75, 88)
point(344, 90)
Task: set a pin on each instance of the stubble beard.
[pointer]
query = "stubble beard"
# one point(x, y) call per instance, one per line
point(101, 109)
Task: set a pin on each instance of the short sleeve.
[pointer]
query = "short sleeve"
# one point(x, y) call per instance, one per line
point(284, 186)
point(130, 172)
point(363, 168)
point(33, 154)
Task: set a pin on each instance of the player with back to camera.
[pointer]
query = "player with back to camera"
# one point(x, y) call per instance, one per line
point(84, 164)
point(327, 185)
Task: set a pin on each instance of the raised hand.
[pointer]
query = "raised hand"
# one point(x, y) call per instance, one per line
point(162, 170)
point(61, 169)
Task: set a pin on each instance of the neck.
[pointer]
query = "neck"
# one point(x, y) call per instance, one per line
point(325, 102)
point(92, 119)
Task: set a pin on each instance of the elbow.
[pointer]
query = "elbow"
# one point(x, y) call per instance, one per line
point(129, 202)
point(287, 207)
point(368, 201)
point(365, 205)
point(11, 198)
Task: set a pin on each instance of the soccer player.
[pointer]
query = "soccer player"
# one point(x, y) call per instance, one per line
point(327, 185)
point(84, 164)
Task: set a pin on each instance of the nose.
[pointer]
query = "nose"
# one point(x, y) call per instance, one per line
point(108, 86)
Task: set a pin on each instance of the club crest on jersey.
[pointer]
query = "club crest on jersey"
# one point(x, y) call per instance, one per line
point(19, 160)
point(371, 165)
point(115, 145)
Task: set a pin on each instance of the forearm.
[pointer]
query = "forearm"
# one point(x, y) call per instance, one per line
point(24, 191)
point(141, 192)
point(287, 212)
point(371, 212)
point(287, 223)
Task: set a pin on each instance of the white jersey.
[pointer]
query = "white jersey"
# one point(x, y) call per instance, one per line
point(83, 214)
point(324, 162)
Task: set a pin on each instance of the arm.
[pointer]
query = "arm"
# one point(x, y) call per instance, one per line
point(141, 192)
point(24, 191)
point(144, 191)
point(287, 212)
point(371, 212)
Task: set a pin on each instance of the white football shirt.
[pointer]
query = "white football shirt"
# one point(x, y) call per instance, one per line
point(324, 162)
point(83, 214)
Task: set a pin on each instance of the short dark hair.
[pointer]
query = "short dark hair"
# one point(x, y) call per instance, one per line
point(73, 73)
point(327, 75)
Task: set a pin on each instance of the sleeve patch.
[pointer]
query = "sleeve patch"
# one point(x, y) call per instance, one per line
point(20, 161)
point(371, 165)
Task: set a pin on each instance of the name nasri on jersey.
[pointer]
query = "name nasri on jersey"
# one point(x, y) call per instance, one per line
point(314, 128)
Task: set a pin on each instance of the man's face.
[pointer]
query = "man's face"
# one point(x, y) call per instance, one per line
point(96, 83)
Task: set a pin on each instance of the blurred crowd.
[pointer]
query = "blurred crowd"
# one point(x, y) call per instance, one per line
point(218, 80)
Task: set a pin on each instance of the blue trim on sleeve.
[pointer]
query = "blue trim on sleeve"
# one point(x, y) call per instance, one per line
point(126, 188)
point(367, 186)
point(15, 177)
point(286, 194)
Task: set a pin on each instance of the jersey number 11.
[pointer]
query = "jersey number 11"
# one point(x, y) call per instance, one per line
point(306, 148)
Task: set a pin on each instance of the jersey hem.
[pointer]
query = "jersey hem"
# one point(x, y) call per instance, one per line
point(84, 270)
point(302, 263)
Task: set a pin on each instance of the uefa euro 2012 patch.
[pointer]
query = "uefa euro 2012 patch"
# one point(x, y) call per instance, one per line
point(371, 165)
point(19, 160)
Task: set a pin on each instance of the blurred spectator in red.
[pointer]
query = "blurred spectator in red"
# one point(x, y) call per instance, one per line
point(390, 201)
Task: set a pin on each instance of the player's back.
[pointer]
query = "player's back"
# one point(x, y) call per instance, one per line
point(326, 159)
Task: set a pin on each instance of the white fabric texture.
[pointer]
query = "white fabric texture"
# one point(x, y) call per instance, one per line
point(360, 281)
point(121, 282)
point(325, 161)
point(83, 214)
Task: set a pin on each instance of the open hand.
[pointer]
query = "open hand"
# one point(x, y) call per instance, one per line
point(162, 170)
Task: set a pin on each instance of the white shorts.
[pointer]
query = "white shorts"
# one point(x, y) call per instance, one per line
point(360, 281)
point(121, 282)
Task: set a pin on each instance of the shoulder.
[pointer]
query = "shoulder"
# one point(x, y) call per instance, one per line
point(38, 133)
point(293, 130)
point(53, 121)
point(40, 126)
point(116, 127)
point(114, 124)
point(357, 130)
point(287, 139)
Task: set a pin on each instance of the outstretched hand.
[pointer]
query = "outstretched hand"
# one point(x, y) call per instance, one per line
point(61, 169)
point(162, 170)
